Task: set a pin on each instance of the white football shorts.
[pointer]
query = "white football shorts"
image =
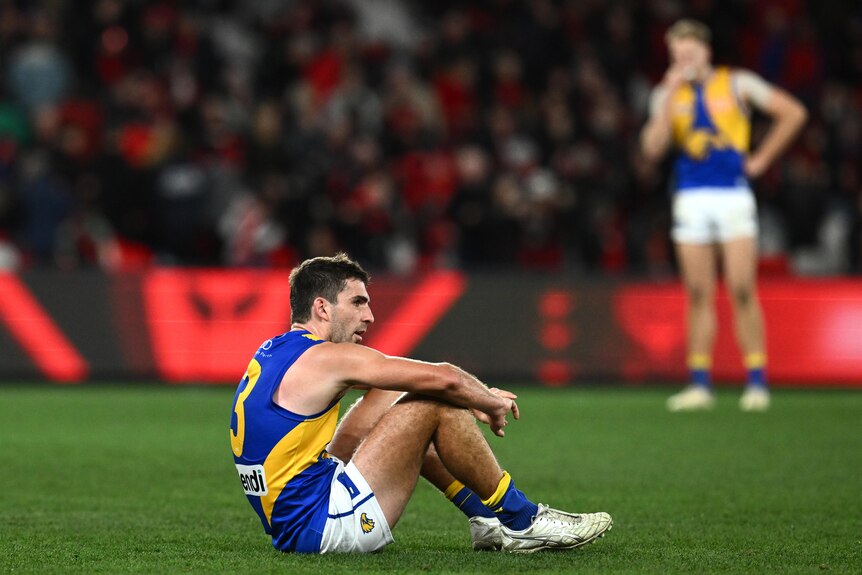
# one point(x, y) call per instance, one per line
point(356, 523)
point(707, 215)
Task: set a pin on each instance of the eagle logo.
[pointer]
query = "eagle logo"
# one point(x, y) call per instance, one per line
point(699, 143)
point(367, 523)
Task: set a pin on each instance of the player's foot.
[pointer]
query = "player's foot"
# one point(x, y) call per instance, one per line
point(485, 532)
point(692, 398)
point(553, 529)
point(754, 398)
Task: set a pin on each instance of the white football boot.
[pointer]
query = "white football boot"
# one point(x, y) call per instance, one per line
point(692, 398)
point(754, 398)
point(553, 529)
point(485, 532)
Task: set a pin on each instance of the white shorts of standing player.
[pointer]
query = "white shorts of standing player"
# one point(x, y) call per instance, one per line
point(707, 215)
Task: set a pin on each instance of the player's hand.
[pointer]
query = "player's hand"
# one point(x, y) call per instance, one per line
point(484, 418)
point(508, 395)
point(677, 75)
point(497, 419)
point(755, 166)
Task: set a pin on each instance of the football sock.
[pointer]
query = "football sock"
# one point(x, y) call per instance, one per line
point(699, 369)
point(755, 363)
point(468, 502)
point(510, 505)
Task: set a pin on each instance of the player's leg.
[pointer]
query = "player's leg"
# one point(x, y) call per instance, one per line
point(697, 263)
point(359, 420)
point(357, 423)
point(459, 494)
point(391, 457)
point(740, 265)
point(740, 268)
point(484, 525)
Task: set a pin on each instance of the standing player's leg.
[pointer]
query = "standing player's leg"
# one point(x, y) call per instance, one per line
point(391, 457)
point(697, 263)
point(740, 265)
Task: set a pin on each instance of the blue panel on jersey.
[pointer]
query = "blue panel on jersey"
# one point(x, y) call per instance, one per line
point(285, 448)
point(720, 167)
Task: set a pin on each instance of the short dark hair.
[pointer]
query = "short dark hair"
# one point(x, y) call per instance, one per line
point(321, 277)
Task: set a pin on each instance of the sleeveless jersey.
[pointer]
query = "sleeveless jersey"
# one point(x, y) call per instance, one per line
point(281, 456)
point(711, 130)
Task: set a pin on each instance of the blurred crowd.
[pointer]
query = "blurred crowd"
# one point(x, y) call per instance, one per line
point(415, 135)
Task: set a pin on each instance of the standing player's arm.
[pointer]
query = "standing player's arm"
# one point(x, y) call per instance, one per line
point(656, 133)
point(360, 365)
point(788, 116)
point(656, 136)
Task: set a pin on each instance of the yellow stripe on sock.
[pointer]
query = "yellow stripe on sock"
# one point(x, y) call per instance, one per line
point(497, 496)
point(453, 489)
point(755, 360)
point(699, 361)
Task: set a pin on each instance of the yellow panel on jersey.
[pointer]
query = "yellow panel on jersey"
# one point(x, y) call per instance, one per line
point(711, 131)
point(682, 114)
point(724, 109)
point(280, 455)
point(304, 446)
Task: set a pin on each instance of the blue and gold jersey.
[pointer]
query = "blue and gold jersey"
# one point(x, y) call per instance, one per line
point(711, 130)
point(281, 456)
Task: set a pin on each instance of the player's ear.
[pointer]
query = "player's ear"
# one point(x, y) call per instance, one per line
point(320, 308)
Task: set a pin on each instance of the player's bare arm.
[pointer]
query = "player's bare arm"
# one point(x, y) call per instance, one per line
point(656, 135)
point(347, 365)
point(788, 116)
point(439, 380)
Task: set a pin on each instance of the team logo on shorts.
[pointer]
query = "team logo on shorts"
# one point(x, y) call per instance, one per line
point(367, 523)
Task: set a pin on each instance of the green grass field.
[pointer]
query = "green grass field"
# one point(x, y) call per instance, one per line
point(111, 479)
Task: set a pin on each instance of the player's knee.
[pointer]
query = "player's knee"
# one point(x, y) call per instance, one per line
point(430, 408)
point(433, 409)
point(742, 295)
point(416, 399)
point(454, 415)
point(699, 295)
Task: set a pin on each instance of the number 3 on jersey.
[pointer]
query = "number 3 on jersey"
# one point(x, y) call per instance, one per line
point(237, 439)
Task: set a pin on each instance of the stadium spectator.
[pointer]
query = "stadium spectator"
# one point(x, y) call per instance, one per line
point(238, 95)
point(702, 113)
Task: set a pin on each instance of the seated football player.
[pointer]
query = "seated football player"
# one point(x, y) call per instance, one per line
point(285, 414)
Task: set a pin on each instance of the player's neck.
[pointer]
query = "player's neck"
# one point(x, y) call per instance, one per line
point(311, 327)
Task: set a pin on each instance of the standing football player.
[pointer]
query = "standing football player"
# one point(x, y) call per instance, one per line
point(703, 113)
